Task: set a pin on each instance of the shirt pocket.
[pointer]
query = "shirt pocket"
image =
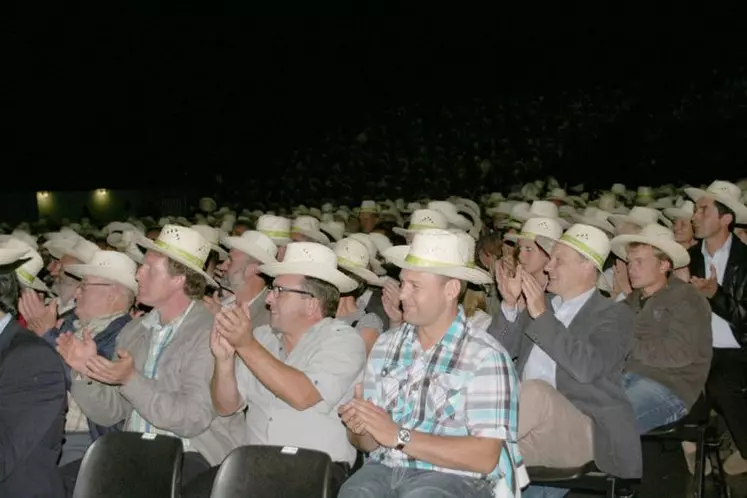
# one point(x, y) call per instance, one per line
point(445, 401)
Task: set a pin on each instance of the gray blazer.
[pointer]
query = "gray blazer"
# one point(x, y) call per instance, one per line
point(179, 400)
point(590, 356)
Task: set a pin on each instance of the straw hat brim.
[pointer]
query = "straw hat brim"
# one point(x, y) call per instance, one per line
point(151, 246)
point(315, 236)
point(595, 222)
point(677, 213)
point(397, 256)
point(740, 210)
point(35, 284)
point(678, 254)
point(10, 256)
point(547, 244)
point(524, 217)
point(363, 273)
point(253, 250)
point(619, 219)
point(81, 271)
point(310, 269)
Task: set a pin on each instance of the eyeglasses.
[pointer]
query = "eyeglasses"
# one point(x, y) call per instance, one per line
point(277, 290)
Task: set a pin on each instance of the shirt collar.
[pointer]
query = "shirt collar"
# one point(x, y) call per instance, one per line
point(453, 334)
point(579, 300)
point(726, 248)
point(4, 321)
point(153, 319)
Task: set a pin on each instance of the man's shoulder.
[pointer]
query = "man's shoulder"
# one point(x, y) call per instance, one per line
point(30, 349)
point(481, 345)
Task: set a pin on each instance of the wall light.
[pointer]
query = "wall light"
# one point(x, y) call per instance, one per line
point(102, 192)
point(42, 195)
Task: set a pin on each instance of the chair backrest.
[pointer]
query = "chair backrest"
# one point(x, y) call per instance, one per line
point(274, 472)
point(131, 465)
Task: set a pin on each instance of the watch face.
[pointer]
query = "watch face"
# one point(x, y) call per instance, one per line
point(404, 435)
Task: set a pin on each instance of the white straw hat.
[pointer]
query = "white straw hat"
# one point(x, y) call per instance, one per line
point(369, 206)
point(353, 256)
point(335, 229)
point(589, 241)
point(277, 228)
point(685, 210)
point(640, 216)
point(255, 244)
point(367, 241)
point(81, 249)
point(109, 265)
point(183, 245)
point(451, 212)
point(308, 226)
point(654, 235)
point(28, 272)
point(439, 252)
point(213, 236)
point(10, 255)
point(725, 193)
point(423, 219)
point(311, 260)
point(539, 209)
point(595, 217)
point(547, 227)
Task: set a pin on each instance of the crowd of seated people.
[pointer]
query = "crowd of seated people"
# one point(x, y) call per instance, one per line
point(455, 343)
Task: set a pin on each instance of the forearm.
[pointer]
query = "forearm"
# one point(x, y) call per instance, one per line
point(364, 443)
point(285, 382)
point(467, 453)
point(224, 390)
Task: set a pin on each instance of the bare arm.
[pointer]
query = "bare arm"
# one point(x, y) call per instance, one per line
point(224, 390)
point(287, 383)
point(470, 453)
point(369, 337)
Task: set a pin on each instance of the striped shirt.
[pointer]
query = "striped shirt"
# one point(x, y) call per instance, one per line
point(465, 385)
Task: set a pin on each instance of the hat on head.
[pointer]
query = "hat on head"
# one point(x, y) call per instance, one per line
point(109, 265)
point(308, 226)
point(12, 255)
point(369, 206)
point(725, 193)
point(28, 272)
point(640, 216)
point(423, 219)
point(595, 217)
point(26, 237)
point(183, 245)
point(332, 228)
point(591, 242)
point(540, 209)
point(79, 248)
point(277, 228)
point(256, 245)
point(547, 227)
point(685, 210)
point(213, 236)
point(439, 252)
point(657, 236)
point(353, 256)
point(311, 259)
point(366, 240)
point(451, 212)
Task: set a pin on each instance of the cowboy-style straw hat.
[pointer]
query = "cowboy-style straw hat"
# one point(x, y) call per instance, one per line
point(725, 193)
point(423, 219)
point(657, 236)
point(439, 252)
point(79, 248)
point(353, 256)
point(595, 217)
point(183, 245)
point(640, 216)
point(12, 255)
point(451, 212)
point(684, 210)
point(255, 244)
point(308, 226)
point(109, 265)
point(540, 209)
point(311, 259)
point(546, 227)
point(214, 236)
point(28, 272)
point(277, 228)
point(591, 242)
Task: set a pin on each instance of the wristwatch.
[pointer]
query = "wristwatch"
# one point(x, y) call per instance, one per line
point(403, 438)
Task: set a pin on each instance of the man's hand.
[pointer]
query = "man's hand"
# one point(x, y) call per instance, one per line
point(349, 414)
point(390, 301)
point(706, 286)
point(219, 345)
point(376, 422)
point(509, 286)
point(39, 318)
point(622, 279)
point(534, 294)
point(76, 352)
point(212, 303)
point(117, 372)
point(235, 325)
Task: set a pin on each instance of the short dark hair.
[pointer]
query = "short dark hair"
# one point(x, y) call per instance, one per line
point(327, 294)
point(723, 210)
point(9, 291)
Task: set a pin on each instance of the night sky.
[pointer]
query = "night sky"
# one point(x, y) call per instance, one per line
point(150, 98)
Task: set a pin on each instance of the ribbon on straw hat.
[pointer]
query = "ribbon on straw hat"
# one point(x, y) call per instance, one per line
point(591, 242)
point(439, 252)
point(657, 236)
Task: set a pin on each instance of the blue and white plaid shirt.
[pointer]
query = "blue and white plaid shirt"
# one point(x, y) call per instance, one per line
point(465, 385)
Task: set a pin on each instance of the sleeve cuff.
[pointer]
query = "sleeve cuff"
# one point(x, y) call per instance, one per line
point(509, 313)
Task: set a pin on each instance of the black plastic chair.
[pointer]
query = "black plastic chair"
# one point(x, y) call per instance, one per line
point(274, 472)
point(127, 465)
point(585, 478)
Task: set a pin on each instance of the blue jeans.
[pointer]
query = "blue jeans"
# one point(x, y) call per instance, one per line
point(375, 480)
point(544, 492)
point(654, 405)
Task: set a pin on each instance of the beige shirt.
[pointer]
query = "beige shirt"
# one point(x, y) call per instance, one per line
point(331, 354)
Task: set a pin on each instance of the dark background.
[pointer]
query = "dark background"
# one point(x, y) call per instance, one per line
point(134, 102)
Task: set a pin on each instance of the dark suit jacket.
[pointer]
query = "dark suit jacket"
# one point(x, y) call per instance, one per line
point(590, 357)
point(730, 300)
point(33, 401)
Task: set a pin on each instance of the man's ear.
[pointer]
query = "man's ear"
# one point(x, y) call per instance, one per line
point(453, 288)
